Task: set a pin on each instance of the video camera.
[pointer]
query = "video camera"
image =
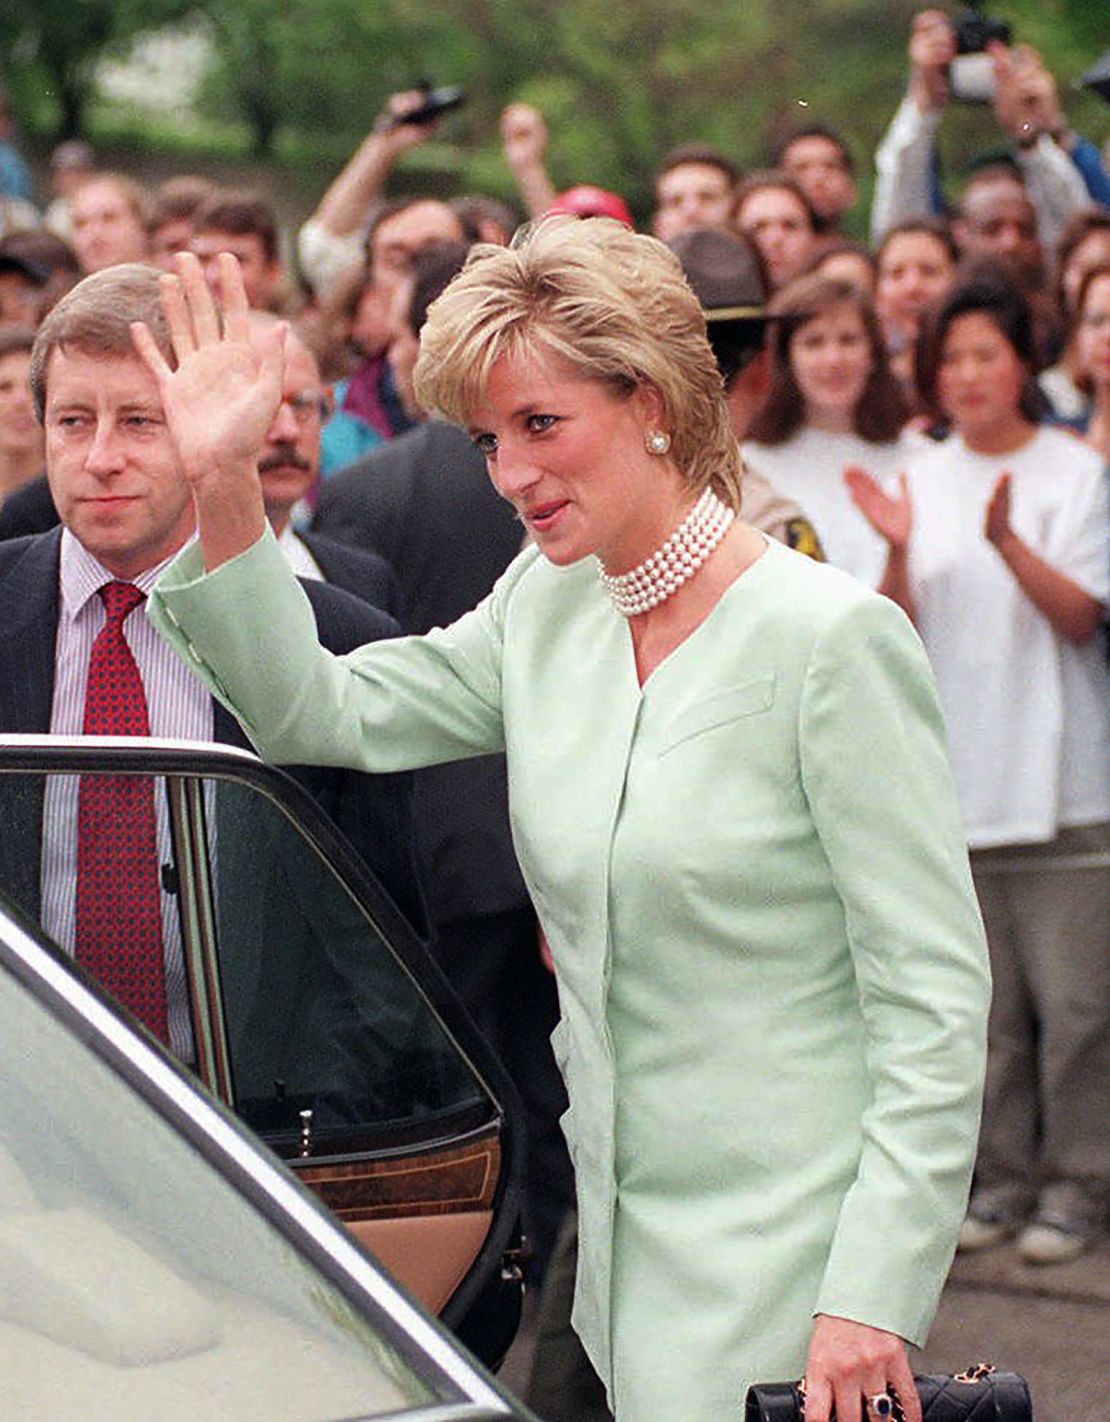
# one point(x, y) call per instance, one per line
point(434, 102)
point(971, 73)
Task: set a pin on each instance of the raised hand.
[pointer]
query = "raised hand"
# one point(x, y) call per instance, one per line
point(393, 132)
point(523, 136)
point(996, 519)
point(891, 516)
point(932, 49)
point(1026, 102)
point(223, 395)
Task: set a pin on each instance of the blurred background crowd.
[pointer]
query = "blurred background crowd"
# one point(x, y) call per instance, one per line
point(912, 324)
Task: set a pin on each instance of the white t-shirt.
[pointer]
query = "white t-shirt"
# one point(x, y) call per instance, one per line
point(809, 468)
point(1028, 713)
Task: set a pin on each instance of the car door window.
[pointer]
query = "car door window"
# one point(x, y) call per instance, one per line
point(320, 1014)
point(313, 1012)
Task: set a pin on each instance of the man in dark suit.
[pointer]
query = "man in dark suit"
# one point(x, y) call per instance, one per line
point(424, 500)
point(126, 510)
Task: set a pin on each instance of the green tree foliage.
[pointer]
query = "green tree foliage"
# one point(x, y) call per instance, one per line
point(51, 51)
point(620, 81)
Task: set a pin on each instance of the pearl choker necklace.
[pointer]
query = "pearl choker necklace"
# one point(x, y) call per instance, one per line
point(660, 576)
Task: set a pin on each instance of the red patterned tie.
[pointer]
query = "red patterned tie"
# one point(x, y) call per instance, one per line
point(118, 917)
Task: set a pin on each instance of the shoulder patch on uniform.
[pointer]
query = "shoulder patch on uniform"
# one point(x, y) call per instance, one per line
point(802, 536)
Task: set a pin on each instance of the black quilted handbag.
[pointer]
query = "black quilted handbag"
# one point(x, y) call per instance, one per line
point(978, 1395)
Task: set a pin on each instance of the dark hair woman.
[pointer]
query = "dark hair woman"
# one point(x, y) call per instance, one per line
point(832, 404)
point(998, 549)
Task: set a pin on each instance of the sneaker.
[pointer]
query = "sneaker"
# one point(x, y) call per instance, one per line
point(1066, 1223)
point(992, 1216)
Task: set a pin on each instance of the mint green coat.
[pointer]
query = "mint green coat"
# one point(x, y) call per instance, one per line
point(752, 875)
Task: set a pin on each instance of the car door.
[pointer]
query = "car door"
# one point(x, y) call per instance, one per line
point(157, 1262)
point(314, 1014)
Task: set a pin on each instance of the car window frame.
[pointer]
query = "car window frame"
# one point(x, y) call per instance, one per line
point(162, 757)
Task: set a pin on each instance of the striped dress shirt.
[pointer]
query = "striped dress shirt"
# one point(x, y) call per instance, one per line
point(177, 705)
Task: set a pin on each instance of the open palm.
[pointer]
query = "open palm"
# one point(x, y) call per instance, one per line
point(223, 395)
point(890, 515)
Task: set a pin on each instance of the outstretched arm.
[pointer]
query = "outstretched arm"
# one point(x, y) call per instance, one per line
point(219, 401)
point(906, 157)
point(344, 206)
point(524, 141)
point(1027, 106)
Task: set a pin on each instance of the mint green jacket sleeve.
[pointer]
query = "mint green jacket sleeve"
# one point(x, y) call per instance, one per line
point(869, 718)
point(391, 705)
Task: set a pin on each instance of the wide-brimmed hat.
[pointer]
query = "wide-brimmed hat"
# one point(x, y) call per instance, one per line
point(10, 262)
point(725, 271)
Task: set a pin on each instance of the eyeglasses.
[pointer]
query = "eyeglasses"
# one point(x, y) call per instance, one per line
point(308, 405)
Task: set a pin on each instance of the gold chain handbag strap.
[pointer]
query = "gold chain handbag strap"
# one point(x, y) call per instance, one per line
point(975, 1373)
point(978, 1372)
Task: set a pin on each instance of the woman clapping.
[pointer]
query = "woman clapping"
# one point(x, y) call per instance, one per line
point(998, 550)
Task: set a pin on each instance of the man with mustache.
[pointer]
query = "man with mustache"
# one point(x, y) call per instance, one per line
point(288, 465)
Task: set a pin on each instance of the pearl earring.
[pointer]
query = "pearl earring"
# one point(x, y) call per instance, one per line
point(657, 442)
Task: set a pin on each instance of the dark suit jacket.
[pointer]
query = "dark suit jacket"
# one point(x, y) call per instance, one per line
point(29, 509)
point(374, 812)
point(358, 571)
point(425, 502)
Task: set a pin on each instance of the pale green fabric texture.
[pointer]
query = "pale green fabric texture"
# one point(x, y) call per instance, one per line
point(753, 879)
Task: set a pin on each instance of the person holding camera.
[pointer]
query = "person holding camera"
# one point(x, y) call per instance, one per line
point(1024, 98)
point(331, 241)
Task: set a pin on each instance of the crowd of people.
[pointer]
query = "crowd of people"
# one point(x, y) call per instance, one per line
point(929, 413)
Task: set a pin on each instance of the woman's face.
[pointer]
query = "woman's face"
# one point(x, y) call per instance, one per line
point(1093, 334)
point(914, 270)
point(831, 360)
point(571, 459)
point(1093, 251)
point(980, 377)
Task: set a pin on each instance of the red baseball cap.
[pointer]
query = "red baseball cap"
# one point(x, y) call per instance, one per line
point(587, 201)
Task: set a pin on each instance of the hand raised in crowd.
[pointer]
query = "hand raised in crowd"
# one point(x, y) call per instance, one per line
point(1026, 100)
point(932, 50)
point(392, 130)
point(222, 396)
point(848, 1363)
point(524, 140)
point(996, 519)
point(891, 516)
point(523, 136)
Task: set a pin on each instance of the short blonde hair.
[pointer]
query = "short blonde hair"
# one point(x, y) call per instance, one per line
point(611, 305)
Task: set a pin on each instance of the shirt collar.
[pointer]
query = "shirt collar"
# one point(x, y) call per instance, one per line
point(81, 576)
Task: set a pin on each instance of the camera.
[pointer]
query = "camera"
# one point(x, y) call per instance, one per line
point(434, 101)
point(971, 73)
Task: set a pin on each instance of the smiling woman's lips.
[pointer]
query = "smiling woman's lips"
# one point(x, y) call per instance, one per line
point(543, 513)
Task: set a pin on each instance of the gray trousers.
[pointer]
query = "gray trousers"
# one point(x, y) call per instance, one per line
point(1046, 1113)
